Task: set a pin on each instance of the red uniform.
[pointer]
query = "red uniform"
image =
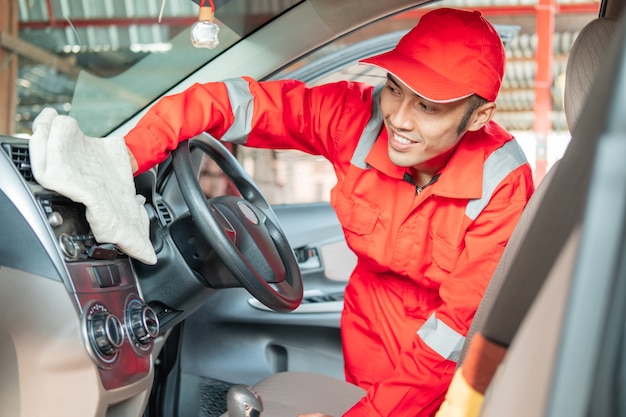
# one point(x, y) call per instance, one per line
point(425, 256)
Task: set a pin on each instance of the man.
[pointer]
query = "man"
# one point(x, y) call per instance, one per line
point(427, 202)
point(428, 190)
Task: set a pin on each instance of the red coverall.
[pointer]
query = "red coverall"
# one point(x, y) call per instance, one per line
point(425, 255)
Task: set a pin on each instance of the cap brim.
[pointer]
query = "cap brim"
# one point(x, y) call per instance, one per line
point(420, 78)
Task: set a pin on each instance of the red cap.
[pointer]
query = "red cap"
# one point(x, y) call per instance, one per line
point(449, 55)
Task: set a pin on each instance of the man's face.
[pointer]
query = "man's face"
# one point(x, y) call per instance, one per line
point(422, 134)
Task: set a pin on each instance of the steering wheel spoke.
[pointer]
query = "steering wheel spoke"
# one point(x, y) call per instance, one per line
point(223, 222)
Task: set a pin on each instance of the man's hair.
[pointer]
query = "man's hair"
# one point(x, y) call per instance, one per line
point(474, 102)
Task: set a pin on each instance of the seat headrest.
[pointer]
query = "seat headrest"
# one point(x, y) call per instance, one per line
point(585, 58)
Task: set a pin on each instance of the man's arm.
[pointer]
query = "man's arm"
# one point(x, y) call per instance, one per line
point(176, 118)
point(276, 115)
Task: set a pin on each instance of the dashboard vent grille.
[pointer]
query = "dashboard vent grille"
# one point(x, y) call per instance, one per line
point(164, 213)
point(21, 159)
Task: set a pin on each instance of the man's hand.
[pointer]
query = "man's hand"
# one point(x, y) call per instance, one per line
point(97, 173)
point(134, 166)
point(313, 415)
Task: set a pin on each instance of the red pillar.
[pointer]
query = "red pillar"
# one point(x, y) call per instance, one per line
point(543, 81)
point(8, 68)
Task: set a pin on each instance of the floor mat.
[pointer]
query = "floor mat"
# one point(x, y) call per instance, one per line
point(213, 397)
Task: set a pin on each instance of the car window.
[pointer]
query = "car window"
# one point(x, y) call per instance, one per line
point(103, 76)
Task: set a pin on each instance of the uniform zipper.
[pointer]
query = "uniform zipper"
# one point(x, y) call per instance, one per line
point(409, 178)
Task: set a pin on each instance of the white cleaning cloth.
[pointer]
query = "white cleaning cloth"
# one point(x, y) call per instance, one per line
point(97, 173)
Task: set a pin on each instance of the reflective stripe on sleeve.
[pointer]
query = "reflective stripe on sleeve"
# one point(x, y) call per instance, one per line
point(370, 132)
point(500, 163)
point(242, 103)
point(441, 338)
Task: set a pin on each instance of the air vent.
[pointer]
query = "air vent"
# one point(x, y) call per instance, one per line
point(21, 159)
point(164, 213)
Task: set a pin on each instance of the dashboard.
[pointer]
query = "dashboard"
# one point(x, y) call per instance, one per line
point(79, 296)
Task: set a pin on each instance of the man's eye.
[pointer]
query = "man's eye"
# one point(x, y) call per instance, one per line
point(426, 107)
point(392, 88)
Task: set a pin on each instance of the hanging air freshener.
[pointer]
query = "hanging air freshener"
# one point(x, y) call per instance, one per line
point(204, 31)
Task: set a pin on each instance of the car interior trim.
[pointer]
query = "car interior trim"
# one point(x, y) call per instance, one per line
point(17, 198)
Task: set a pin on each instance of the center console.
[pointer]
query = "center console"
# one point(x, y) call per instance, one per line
point(118, 328)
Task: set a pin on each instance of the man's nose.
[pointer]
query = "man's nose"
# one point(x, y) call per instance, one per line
point(401, 117)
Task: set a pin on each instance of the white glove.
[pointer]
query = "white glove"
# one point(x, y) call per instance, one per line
point(97, 173)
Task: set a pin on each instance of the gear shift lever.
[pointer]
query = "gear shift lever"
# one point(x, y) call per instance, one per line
point(243, 401)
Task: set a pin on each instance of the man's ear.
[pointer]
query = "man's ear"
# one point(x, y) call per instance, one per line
point(482, 116)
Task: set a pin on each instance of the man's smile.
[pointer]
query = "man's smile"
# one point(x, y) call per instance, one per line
point(400, 143)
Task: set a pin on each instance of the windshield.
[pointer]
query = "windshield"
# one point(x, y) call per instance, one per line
point(101, 76)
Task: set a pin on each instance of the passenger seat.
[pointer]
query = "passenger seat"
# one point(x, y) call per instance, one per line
point(536, 267)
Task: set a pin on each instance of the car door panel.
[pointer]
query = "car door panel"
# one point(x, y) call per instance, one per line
point(234, 338)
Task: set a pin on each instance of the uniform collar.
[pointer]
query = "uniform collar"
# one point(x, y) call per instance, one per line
point(378, 158)
point(462, 177)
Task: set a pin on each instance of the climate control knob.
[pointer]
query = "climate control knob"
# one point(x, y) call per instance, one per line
point(142, 322)
point(106, 333)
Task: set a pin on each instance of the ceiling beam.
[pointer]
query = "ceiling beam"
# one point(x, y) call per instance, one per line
point(37, 54)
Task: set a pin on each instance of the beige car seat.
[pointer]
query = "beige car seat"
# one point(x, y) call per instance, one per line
point(585, 59)
point(549, 226)
point(522, 384)
point(540, 285)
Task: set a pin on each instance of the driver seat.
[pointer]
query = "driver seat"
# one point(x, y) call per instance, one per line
point(291, 393)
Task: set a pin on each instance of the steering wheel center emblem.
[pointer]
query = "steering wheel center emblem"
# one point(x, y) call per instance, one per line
point(248, 213)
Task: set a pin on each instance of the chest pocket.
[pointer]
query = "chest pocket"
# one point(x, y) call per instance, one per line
point(358, 220)
point(445, 255)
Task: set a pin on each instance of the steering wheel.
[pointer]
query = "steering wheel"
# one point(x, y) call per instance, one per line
point(243, 231)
